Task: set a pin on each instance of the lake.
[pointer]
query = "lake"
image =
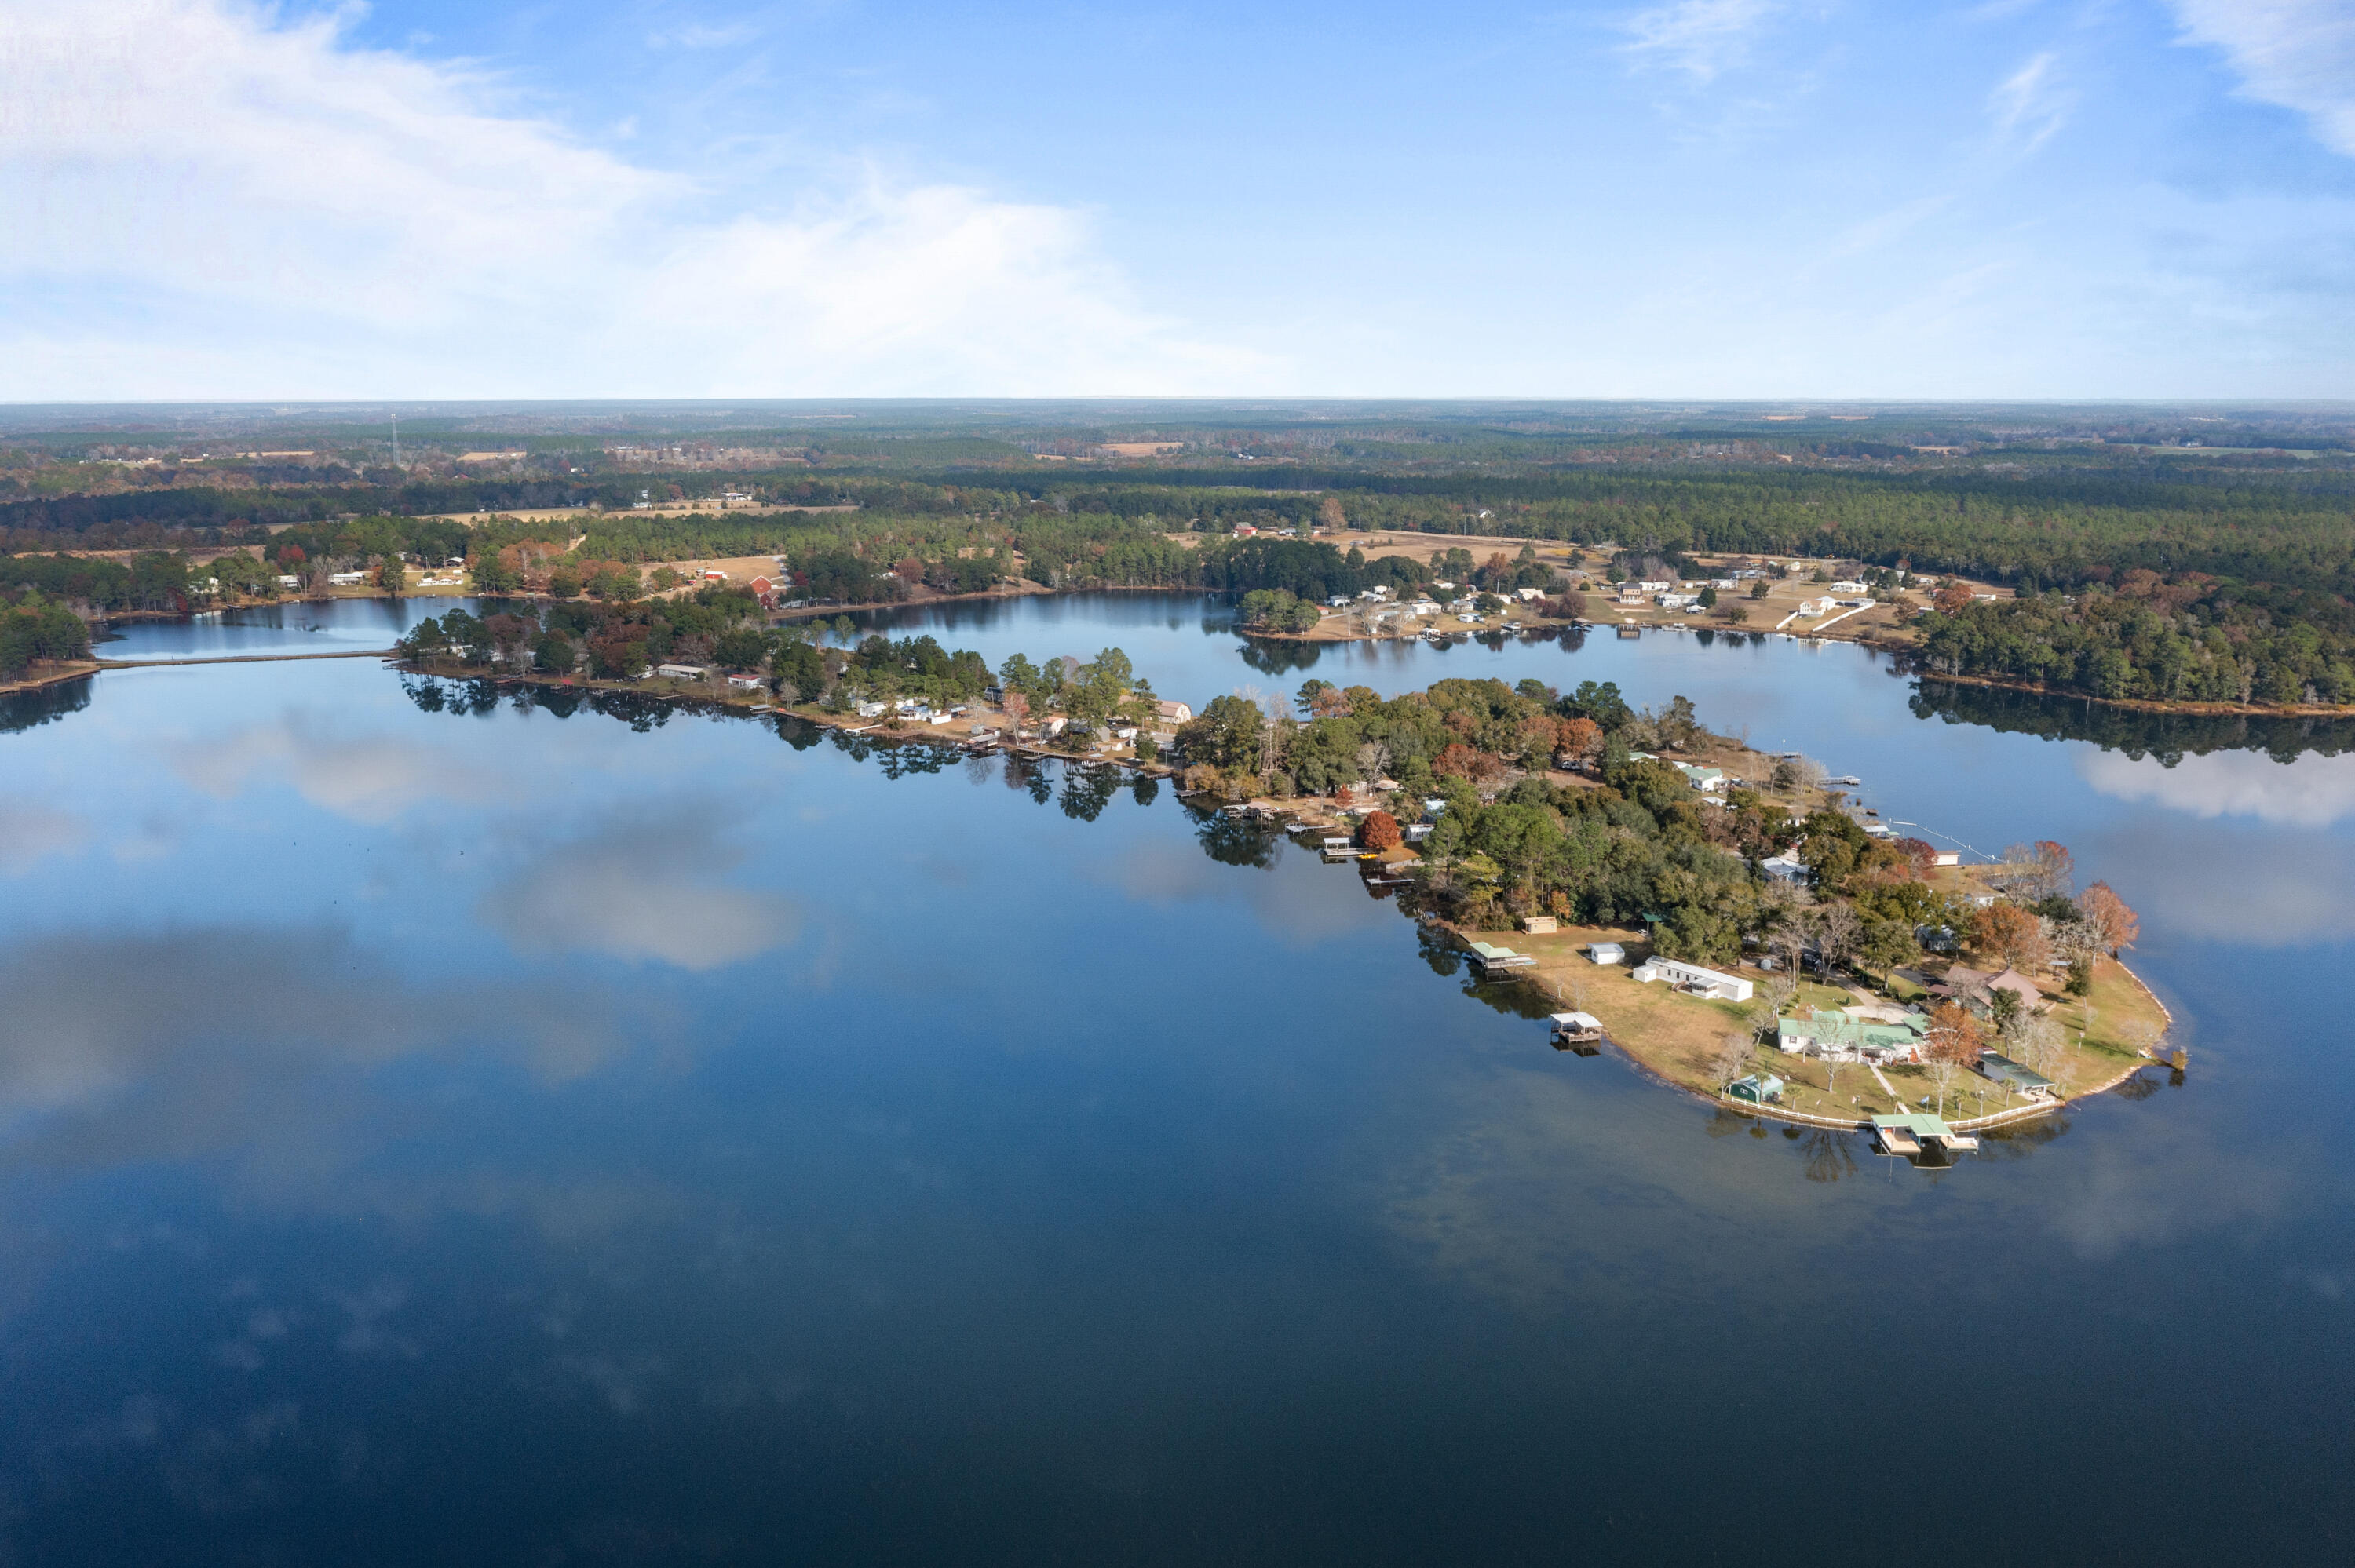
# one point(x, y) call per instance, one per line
point(437, 1128)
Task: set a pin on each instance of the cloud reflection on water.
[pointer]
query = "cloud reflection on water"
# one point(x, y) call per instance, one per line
point(2312, 791)
point(30, 831)
point(370, 779)
point(641, 883)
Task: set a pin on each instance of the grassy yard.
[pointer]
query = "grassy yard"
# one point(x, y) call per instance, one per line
point(1678, 1035)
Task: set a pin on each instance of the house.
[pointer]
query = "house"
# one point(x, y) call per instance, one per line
point(1656, 588)
point(1814, 606)
point(1174, 713)
point(1678, 600)
point(1960, 979)
point(2001, 1069)
point(1946, 857)
point(722, 576)
point(682, 672)
point(1415, 833)
point(744, 683)
point(1054, 724)
point(1879, 830)
point(346, 579)
point(1851, 585)
point(1758, 1088)
point(1606, 952)
point(1531, 594)
point(290, 582)
point(1693, 979)
point(871, 710)
point(1702, 777)
point(1786, 868)
point(1838, 1034)
point(1722, 584)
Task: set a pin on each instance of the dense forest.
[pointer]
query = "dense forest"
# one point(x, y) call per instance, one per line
point(2191, 638)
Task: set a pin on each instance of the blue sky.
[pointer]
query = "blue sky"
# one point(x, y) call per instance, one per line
point(1705, 197)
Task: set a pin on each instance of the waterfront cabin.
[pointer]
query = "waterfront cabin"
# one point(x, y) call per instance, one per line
point(744, 683)
point(1788, 869)
point(682, 672)
point(1960, 981)
point(1693, 979)
point(2001, 1069)
point(1702, 779)
point(1838, 1034)
point(1758, 1088)
point(1606, 952)
point(871, 710)
point(1495, 961)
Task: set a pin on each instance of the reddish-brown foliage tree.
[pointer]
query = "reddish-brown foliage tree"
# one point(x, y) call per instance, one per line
point(1954, 1035)
point(1380, 831)
point(1952, 599)
point(2013, 933)
point(1462, 761)
point(1580, 739)
point(2107, 914)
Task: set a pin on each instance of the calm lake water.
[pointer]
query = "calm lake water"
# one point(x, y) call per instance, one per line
point(443, 1131)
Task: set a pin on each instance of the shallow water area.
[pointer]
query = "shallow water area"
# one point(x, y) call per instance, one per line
point(447, 1124)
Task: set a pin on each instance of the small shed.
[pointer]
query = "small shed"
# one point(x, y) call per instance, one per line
point(1606, 952)
point(1758, 1088)
point(1537, 924)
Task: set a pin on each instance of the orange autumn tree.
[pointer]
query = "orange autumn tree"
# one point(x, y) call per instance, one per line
point(2014, 935)
point(1380, 832)
point(2114, 925)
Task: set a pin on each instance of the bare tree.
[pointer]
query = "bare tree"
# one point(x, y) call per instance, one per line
point(2035, 1039)
point(1836, 928)
point(1732, 1060)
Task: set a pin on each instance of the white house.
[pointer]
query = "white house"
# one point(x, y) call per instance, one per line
point(1814, 606)
point(1531, 594)
point(1174, 713)
point(1786, 868)
point(1694, 979)
point(1606, 952)
point(1946, 857)
point(1656, 588)
point(744, 683)
point(1851, 585)
point(871, 710)
point(681, 671)
point(1703, 779)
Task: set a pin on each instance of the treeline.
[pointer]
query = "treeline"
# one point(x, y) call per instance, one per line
point(32, 627)
point(2033, 526)
point(2137, 733)
point(2186, 639)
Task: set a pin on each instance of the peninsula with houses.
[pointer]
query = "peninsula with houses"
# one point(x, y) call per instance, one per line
point(1732, 921)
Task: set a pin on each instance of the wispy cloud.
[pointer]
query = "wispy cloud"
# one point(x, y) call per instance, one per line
point(2297, 53)
point(2032, 104)
point(266, 208)
point(703, 36)
point(1703, 38)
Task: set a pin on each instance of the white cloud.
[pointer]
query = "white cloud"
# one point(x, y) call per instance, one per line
point(201, 199)
point(2032, 104)
point(2313, 791)
point(1703, 38)
point(2297, 54)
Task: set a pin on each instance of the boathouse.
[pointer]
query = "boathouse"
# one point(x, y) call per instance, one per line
point(1497, 960)
point(1758, 1088)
